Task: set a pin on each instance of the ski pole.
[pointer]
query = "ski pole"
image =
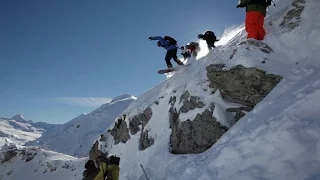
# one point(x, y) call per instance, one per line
point(144, 172)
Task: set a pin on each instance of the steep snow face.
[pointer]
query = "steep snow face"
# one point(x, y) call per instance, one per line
point(278, 139)
point(18, 162)
point(76, 136)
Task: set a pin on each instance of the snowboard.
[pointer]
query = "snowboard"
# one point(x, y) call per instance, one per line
point(163, 71)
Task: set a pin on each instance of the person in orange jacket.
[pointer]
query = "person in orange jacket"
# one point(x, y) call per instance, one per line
point(256, 11)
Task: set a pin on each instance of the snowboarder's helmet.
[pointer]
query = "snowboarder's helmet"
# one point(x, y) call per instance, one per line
point(159, 43)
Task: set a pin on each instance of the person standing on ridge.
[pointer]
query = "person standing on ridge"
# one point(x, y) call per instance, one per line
point(256, 11)
point(210, 38)
point(170, 45)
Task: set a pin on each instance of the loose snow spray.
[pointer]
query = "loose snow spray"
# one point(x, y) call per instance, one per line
point(204, 49)
point(228, 35)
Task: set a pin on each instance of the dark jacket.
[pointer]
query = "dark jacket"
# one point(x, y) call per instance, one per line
point(90, 172)
point(250, 6)
point(209, 36)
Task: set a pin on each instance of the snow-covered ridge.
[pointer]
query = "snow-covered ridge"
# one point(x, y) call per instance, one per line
point(123, 97)
point(17, 162)
point(76, 136)
point(19, 131)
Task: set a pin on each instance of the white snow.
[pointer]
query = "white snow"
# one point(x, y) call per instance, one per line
point(44, 165)
point(12, 131)
point(76, 137)
point(278, 139)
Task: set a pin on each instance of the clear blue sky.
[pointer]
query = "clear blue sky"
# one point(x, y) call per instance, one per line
point(55, 54)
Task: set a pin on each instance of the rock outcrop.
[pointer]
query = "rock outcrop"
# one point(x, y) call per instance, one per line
point(247, 86)
point(120, 131)
point(196, 136)
point(140, 120)
point(292, 18)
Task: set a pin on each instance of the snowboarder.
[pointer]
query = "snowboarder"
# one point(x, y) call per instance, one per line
point(210, 38)
point(191, 48)
point(108, 167)
point(170, 45)
point(256, 11)
point(186, 52)
point(90, 172)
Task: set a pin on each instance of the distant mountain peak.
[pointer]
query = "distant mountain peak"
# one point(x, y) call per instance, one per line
point(19, 117)
point(123, 96)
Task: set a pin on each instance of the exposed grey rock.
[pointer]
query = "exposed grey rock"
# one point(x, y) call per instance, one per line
point(246, 86)
point(192, 104)
point(263, 47)
point(95, 152)
point(173, 117)
point(239, 112)
point(292, 18)
point(196, 136)
point(140, 119)
point(13, 151)
point(120, 131)
point(102, 138)
point(172, 100)
point(134, 125)
point(184, 96)
point(145, 140)
point(8, 155)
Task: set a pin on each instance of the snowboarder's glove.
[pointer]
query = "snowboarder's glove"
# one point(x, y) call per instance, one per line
point(150, 38)
point(241, 5)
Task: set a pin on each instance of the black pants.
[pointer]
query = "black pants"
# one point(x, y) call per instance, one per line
point(172, 54)
point(186, 55)
point(211, 46)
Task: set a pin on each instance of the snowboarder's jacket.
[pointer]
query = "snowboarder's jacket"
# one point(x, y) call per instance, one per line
point(254, 5)
point(111, 171)
point(164, 43)
point(208, 36)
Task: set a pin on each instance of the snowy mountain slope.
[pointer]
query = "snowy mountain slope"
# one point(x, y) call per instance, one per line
point(18, 162)
point(77, 136)
point(19, 131)
point(278, 139)
point(11, 134)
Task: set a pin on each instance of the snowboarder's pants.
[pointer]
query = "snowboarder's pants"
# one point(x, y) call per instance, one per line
point(186, 55)
point(172, 54)
point(211, 46)
point(254, 25)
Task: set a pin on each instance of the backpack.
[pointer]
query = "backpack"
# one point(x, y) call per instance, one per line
point(89, 164)
point(170, 41)
point(265, 3)
point(115, 160)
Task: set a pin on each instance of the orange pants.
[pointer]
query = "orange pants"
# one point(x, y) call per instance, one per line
point(254, 25)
